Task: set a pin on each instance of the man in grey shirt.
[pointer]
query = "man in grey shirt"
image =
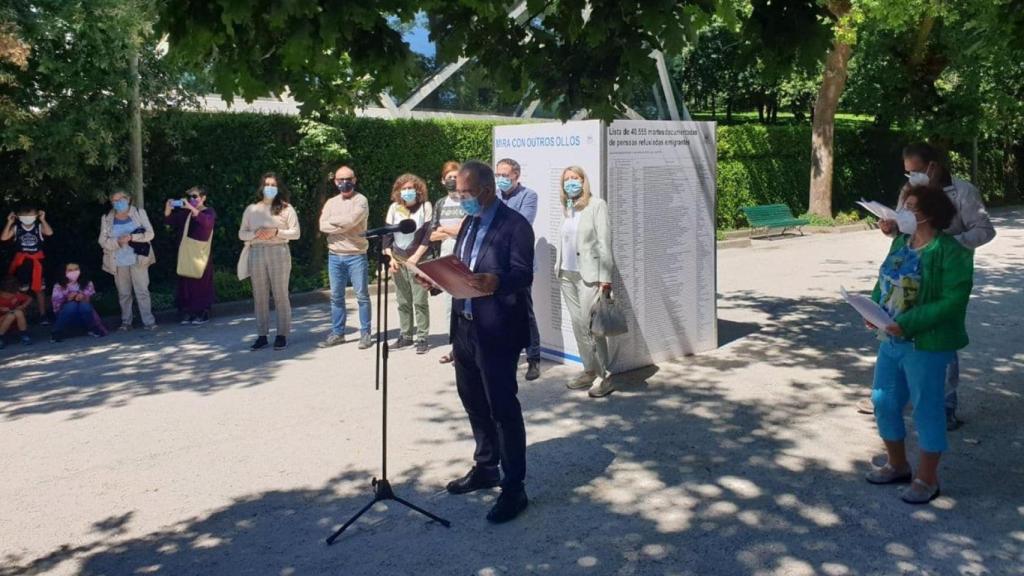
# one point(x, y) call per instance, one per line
point(971, 227)
point(522, 200)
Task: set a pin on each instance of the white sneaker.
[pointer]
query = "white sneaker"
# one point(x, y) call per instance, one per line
point(601, 388)
point(582, 381)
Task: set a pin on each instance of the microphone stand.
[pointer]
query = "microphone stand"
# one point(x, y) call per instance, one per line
point(381, 486)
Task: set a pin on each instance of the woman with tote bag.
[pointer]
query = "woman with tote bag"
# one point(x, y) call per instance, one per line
point(193, 221)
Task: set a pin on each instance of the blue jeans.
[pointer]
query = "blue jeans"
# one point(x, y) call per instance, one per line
point(73, 314)
point(341, 268)
point(952, 384)
point(902, 375)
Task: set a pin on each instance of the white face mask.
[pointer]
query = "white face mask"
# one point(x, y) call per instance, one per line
point(27, 220)
point(917, 178)
point(906, 221)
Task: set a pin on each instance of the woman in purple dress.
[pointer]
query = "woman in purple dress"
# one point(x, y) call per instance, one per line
point(194, 295)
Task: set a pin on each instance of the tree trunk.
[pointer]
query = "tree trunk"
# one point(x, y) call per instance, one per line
point(833, 83)
point(135, 131)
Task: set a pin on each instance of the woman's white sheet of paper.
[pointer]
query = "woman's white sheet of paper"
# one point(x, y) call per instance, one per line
point(880, 210)
point(867, 308)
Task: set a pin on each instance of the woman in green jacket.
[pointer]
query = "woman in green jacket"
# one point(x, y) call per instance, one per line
point(924, 284)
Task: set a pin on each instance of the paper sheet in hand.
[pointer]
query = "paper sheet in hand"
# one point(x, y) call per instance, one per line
point(867, 308)
point(880, 210)
point(449, 274)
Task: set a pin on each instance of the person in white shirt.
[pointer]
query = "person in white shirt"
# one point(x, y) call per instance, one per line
point(584, 266)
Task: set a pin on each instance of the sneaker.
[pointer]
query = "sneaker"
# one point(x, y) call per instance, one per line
point(601, 388)
point(125, 326)
point(260, 343)
point(952, 422)
point(365, 341)
point(55, 338)
point(44, 321)
point(865, 406)
point(402, 342)
point(422, 347)
point(280, 342)
point(3, 344)
point(582, 381)
point(332, 340)
point(201, 319)
point(889, 475)
point(532, 369)
point(26, 340)
point(920, 492)
point(187, 320)
point(149, 327)
point(96, 334)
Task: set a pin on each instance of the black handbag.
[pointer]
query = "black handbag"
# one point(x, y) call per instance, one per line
point(140, 248)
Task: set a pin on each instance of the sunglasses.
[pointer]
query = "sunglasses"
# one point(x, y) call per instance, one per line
point(194, 196)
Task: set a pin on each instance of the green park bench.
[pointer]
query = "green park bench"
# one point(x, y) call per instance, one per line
point(774, 216)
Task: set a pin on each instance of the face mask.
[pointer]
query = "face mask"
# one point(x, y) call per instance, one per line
point(449, 185)
point(906, 221)
point(917, 178)
point(73, 275)
point(471, 206)
point(572, 188)
point(345, 186)
point(270, 192)
point(409, 195)
point(121, 205)
point(193, 201)
point(27, 220)
point(504, 184)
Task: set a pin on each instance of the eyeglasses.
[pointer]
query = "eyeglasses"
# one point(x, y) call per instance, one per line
point(194, 196)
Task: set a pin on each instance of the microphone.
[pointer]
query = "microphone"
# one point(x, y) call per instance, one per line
point(406, 226)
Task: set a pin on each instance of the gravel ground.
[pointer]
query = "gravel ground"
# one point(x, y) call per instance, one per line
point(180, 453)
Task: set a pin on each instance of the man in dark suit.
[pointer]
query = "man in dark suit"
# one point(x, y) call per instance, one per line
point(488, 333)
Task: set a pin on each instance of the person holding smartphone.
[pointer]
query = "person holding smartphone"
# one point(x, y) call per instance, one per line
point(194, 296)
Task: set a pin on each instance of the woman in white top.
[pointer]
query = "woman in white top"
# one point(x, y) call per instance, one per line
point(409, 202)
point(584, 266)
point(125, 235)
point(267, 227)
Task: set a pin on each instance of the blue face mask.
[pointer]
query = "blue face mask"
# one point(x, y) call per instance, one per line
point(471, 206)
point(270, 192)
point(409, 195)
point(504, 183)
point(121, 205)
point(572, 188)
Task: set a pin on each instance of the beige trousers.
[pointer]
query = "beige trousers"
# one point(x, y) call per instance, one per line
point(134, 278)
point(580, 297)
point(271, 267)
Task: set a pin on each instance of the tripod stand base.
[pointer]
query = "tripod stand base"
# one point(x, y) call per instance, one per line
point(382, 491)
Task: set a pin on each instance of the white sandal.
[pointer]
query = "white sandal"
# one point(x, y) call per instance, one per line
point(920, 492)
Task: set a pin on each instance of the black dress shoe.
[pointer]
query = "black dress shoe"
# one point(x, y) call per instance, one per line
point(508, 506)
point(476, 479)
point(260, 342)
point(533, 370)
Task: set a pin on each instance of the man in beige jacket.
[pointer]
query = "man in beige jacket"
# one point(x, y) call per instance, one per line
point(343, 220)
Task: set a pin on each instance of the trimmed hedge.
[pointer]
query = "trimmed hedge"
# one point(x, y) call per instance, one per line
point(228, 152)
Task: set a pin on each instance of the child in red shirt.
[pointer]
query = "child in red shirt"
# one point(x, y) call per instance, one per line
point(12, 310)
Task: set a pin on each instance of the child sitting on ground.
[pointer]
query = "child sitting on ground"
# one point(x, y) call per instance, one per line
point(28, 228)
point(12, 310)
point(72, 306)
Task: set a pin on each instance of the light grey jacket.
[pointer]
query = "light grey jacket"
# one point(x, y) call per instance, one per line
point(593, 244)
point(109, 242)
point(971, 226)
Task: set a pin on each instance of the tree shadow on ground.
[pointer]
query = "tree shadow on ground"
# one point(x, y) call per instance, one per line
point(679, 472)
point(64, 377)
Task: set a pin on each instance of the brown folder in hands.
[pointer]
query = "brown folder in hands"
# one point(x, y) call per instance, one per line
point(449, 274)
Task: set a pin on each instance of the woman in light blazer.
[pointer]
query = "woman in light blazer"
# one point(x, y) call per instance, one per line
point(584, 267)
point(125, 235)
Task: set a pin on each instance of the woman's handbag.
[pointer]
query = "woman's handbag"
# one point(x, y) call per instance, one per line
point(606, 318)
point(243, 263)
point(193, 255)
